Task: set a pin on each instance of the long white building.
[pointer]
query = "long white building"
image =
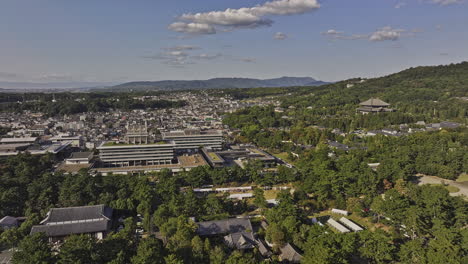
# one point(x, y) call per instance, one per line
point(114, 154)
point(194, 138)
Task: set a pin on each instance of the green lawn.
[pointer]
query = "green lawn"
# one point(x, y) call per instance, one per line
point(271, 194)
point(463, 178)
point(284, 156)
point(452, 189)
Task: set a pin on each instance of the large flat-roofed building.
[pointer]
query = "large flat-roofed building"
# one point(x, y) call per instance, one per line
point(194, 138)
point(184, 163)
point(114, 154)
point(19, 140)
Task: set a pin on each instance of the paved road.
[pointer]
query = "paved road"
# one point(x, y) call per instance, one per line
point(463, 186)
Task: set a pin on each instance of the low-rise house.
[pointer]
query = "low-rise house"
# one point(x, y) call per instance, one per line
point(237, 232)
point(441, 125)
point(79, 158)
point(350, 224)
point(8, 222)
point(289, 254)
point(337, 226)
point(338, 211)
point(60, 223)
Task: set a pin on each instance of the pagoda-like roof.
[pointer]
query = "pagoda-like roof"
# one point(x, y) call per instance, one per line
point(375, 102)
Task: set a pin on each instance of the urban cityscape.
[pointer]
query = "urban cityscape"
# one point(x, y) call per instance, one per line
point(195, 151)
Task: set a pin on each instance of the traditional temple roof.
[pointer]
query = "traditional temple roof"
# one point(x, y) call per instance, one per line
point(375, 102)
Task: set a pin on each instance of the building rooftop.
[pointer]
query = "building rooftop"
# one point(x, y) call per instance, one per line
point(81, 155)
point(78, 213)
point(75, 220)
point(290, 254)
point(191, 132)
point(17, 140)
point(240, 240)
point(375, 102)
point(8, 220)
point(226, 226)
point(113, 144)
point(189, 161)
point(71, 228)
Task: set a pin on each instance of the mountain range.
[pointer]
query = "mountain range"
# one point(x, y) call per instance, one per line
point(214, 84)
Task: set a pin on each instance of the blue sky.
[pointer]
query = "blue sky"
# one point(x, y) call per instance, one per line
point(124, 40)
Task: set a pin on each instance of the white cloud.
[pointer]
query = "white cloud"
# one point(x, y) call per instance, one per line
point(386, 33)
point(382, 34)
point(280, 36)
point(333, 33)
point(286, 7)
point(246, 17)
point(180, 56)
point(192, 28)
point(445, 2)
point(400, 5)
point(205, 56)
point(336, 34)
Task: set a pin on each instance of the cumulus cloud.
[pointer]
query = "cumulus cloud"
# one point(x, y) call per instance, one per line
point(246, 17)
point(445, 2)
point(332, 32)
point(336, 34)
point(382, 34)
point(192, 28)
point(280, 36)
point(386, 33)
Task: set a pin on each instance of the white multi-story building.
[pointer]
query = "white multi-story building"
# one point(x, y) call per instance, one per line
point(195, 138)
point(114, 154)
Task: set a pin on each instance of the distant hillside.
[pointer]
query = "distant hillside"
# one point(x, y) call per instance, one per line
point(216, 83)
point(429, 93)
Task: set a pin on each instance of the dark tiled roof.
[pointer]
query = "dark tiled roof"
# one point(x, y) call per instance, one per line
point(290, 254)
point(240, 240)
point(57, 230)
point(263, 249)
point(78, 213)
point(8, 220)
point(227, 226)
point(338, 145)
point(375, 102)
